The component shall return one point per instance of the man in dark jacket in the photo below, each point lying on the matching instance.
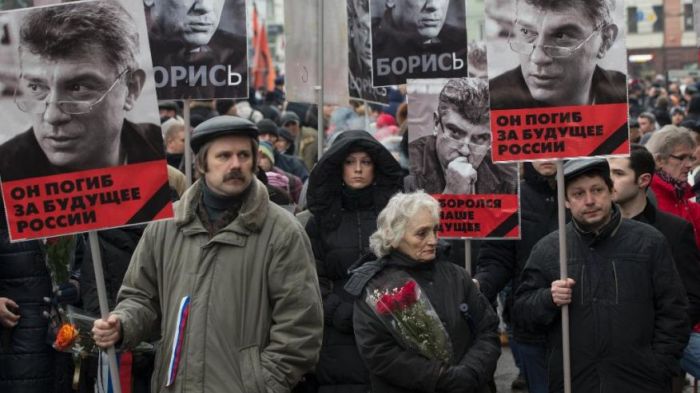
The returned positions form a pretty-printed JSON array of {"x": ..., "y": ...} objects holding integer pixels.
[
  {"x": 626, "y": 303},
  {"x": 632, "y": 177},
  {"x": 501, "y": 261}
]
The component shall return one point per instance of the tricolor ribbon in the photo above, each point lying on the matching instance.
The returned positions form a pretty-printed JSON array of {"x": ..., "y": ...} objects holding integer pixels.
[{"x": 178, "y": 339}]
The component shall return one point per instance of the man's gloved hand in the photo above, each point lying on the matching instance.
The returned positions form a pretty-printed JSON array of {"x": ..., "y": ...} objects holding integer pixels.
[
  {"x": 460, "y": 177},
  {"x": 457, "y": 379}
]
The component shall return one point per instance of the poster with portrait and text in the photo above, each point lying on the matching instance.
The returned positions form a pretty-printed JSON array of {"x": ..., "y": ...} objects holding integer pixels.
[
  {"x": 418, "y": 40},
  {"x": 450, "y": 158},
  {"x": 360, "y": 55},
  {"x": 558, "y": 80},
  {"x": 81, "y": 147},
  {"x": 199, "y": 49}
]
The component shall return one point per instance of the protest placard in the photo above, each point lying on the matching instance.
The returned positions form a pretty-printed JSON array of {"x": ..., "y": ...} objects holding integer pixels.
[
  {"x": 82, "y": 149},
  {"x": 558, "y": 81},
  {"x": 417, "y": 39},
  {"x": 199, "y": 49},
  {"x": 360, "y": 55},
  {"x": 450, "y": 158}
]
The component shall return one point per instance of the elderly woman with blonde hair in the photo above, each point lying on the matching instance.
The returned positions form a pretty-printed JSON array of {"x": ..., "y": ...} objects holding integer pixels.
[{"x": 420, "y": 323}]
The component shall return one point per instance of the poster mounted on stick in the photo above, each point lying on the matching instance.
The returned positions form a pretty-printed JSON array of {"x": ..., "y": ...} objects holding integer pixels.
[
  {"x": 417, "y": 39},
  {"x": 302, "y": 51},
  {"x": 199, "y": 49},
  {"x": 360, "y": 55},
  {"x": 450, "y": 158},
  {"x": 82, "y": 149},
  {"x": 558, "y": 81}
]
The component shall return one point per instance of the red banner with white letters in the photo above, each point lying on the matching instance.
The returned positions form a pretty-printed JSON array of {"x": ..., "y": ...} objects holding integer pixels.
[
  {"x": 559, "y": 132},
  {"x": 479, "y": 216},
  {"x": 87, "y": 200}
]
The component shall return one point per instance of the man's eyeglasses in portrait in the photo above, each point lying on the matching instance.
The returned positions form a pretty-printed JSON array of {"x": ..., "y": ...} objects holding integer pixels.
[
  {"x": 31, "y": 96},
  {"x": 523, "y": 40}
]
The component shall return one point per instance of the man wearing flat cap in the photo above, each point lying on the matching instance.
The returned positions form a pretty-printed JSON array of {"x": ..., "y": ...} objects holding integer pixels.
[
  {"x": 305, "y": 143},
  {"x": 229, "y": 285},
  {"x": 627, "y": 306}
]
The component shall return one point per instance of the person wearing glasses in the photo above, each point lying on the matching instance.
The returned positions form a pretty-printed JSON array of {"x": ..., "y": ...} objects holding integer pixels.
[
  {"x": 78, "y": 80},
  {"x": 456, "y": 159},
  {"x": 673, "y": 148},
  {"x": 559, "y": 45},
  {"x": 185, "y": 36}
]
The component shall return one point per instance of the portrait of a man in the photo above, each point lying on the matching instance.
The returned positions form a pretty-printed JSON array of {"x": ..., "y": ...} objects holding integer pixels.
[
  {"x": 360, "y": 54},
  {"x": 456, "y": 158},
  {"x": 559, "y": 45},
  {"x": 78, "y": 78},
  {"x": 406, "y": 30},
  {"x": 193, "y": 55}
]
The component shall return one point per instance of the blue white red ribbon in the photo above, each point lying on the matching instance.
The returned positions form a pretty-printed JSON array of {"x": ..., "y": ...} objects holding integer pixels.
[{"x": 178, "y": 339}]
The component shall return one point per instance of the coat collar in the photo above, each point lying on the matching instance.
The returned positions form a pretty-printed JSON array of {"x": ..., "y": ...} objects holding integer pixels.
[{"x": 250, "y": 218}]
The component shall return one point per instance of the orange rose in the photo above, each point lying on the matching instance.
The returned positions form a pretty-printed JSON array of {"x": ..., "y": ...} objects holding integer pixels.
[{"x": 65, "y": 337}]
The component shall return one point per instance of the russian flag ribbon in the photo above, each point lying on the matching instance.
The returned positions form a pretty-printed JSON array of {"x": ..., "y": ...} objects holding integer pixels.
[{"x": 178, "y": 340}]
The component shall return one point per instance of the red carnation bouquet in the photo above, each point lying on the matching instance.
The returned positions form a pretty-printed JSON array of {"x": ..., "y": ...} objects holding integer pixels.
[{"x": 409, "y": 314}]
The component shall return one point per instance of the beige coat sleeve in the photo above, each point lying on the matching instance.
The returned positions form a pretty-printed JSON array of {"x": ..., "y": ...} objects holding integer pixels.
[
  {"x": 297, "y": 314},
  {"x": 137, "y": 301}
]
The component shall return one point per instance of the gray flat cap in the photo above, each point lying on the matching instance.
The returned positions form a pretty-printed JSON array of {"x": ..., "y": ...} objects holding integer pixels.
[
  {"x": 221, "y": 126},
  {"x": 575, "y": 168}
]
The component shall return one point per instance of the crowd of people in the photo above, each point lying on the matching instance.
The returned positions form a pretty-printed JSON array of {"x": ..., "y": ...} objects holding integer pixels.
[
  {"x": 308, "y": 292},
  {"x": 287, "y": 268}
]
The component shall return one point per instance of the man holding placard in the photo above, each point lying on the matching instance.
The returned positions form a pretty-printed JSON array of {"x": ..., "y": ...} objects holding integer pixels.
[
  {"x": 626, "y": 301},
  {"x": 229, "y": 285}
]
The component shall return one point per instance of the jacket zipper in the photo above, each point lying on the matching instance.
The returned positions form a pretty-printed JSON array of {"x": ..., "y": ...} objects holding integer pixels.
[
  {"x": 359, "y": 233},
  {"x": 617, "y": 290},
  {"x": 583, "y": 271}
]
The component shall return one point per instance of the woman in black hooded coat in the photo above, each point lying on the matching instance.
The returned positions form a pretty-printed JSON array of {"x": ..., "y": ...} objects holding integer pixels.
[{"x": 348, "y": 188}]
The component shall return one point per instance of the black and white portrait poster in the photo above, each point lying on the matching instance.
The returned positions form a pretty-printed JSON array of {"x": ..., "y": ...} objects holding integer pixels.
[
  {"x": 199, "y": 48},
  {"x": 301, "y": 33},
  {"x": 360, "y": 55},
  {"x": 558, "y": 79},
  {"x": 450, "y": 158},
  {"x": 80, "y": 121},
  {"x": 417, "y": 39}
]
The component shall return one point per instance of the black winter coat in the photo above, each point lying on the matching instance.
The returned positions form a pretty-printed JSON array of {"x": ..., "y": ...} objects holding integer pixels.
[
  {"x": 475, "y": 343},
  {"x": 342, "y": 221},
  {"x": 27, "y": 361},
  {"x": 628, "y": 311},
  {"x": 502, "y": 261},
  {"x": 680, "y": 236}
]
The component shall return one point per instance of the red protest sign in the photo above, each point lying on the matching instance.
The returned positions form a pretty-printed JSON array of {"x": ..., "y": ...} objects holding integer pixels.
[
  {"x": 479, "y": 216},
  {"x": 559, "y": 132},
  {"x": 87, "y": 200}
]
